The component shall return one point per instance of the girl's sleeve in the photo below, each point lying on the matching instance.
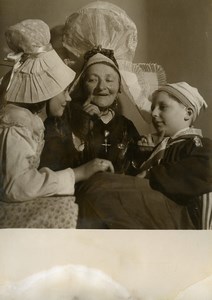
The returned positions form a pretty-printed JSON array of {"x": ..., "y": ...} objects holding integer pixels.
[
  {"x": 190, "y": 176},
  {"x": 21, "y": 178}
]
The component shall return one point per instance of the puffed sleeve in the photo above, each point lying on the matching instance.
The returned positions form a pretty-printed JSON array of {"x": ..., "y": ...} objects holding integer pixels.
[{"x": 21, "y": 178}]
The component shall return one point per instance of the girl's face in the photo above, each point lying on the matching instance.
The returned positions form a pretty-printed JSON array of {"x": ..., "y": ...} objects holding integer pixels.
[
  {"x": 168, "y": 115},
  {"x": 57, "y": 104},
  {"x": 101, "y": 83}
]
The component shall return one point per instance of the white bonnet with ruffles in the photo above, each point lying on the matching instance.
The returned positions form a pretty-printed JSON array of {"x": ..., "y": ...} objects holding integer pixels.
[
  {"x": 100, "y": 23},
  {"x": 38, "y": 73}
]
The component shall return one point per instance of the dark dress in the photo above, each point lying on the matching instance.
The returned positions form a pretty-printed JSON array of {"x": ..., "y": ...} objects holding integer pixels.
[
  {"x": 169, "y": 199},
  {"x": 115, "y": 141}
]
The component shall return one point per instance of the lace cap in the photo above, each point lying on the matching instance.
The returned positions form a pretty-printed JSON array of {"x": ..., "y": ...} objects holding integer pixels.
[
  {"x": 38, "y": 73},
  {"x": 105, "y": 24},
  {"x": 101, "y": 23}
]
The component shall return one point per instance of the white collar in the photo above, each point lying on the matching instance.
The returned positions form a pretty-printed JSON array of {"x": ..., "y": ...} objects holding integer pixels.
[{"x": 186, "y": 131}]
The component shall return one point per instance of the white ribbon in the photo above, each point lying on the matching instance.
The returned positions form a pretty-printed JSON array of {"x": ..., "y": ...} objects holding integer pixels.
[{"x": 16, "y": 58}]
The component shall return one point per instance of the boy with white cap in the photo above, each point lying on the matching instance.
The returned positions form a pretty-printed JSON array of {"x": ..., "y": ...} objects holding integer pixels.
[
  {"x": 176, "y": 174},
  {"x": 175, "y": 107}
]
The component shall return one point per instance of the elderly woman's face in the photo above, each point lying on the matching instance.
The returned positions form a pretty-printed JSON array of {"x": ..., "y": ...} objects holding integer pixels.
[{"x": 101, "y": 83}]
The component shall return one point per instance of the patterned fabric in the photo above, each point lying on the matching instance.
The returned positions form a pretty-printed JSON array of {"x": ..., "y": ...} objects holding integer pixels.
[{"x": 51, "y": 212}]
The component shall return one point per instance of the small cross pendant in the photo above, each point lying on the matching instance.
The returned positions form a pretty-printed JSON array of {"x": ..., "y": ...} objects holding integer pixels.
[{"x": 106, "y": 145}]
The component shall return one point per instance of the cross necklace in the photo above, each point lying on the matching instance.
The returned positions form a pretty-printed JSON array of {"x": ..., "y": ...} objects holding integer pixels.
[{"x": 106, "y": 145}]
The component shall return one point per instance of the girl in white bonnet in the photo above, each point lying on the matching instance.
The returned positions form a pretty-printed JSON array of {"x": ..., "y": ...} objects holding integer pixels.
[
  {"x": 166, "y": 192},
  {"x": 38, "y": 87}
]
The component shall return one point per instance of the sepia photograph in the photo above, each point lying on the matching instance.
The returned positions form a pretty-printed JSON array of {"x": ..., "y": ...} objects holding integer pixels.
[
  {"x": 105, "y": 114},
  {"x": 105, "y": 123}
]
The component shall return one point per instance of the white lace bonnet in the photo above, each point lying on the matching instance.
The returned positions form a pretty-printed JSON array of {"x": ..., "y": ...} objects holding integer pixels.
[
  {"x": 103, "y": 23},
  {"x": 38, "y": 73}
]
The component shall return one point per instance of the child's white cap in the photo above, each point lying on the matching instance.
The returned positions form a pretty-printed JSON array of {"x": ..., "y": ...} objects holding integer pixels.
[
  {"x": 187, "y": 95},
  {"x": 38, "y": 73}
]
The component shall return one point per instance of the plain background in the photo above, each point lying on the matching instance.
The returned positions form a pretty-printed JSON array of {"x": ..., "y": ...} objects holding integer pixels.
[{"x": 176, "y": 34}]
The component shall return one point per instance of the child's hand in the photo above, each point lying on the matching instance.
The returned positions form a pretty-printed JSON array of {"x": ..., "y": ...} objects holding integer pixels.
[
  {"x": 146, "y": 143},
  {"x": 90, "y": 108},
  {"x": 149, "y": 141},
  {"x": 146, "y": 140},
  {"x": 96, "y": 165}
]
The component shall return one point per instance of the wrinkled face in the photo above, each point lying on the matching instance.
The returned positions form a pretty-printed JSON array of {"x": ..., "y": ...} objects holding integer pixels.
[
  {"x": 101, "y": 82},
  {"x": 57, "y": 104},
  {"x": 168, "y": 115}
]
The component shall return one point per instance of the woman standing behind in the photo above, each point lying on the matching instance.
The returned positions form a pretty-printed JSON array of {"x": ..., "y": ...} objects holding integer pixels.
[{"x": 37, "y": 88}]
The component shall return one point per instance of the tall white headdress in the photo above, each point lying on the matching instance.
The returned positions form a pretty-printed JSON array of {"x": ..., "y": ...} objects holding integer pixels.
[{"x": 105, "y": 24}]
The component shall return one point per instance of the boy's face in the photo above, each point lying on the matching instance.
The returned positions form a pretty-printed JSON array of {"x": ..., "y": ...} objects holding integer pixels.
[{"x": 168, "y": 115}]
